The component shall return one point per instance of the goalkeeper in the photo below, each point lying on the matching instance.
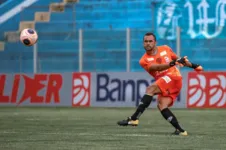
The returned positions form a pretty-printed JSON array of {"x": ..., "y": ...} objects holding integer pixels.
[{"x": 160, "y": 62}]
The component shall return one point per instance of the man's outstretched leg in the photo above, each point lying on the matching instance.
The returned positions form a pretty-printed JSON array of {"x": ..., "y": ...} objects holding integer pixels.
[
  {"x": 145, "y": 102},
  {"x": 163, "y": 104}
]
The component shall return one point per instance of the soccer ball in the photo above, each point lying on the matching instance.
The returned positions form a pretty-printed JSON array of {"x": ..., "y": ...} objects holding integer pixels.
[{"x": 28, "y": 37}]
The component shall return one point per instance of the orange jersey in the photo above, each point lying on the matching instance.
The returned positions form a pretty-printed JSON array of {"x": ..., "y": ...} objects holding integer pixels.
[{"x": 163, "y": 56}]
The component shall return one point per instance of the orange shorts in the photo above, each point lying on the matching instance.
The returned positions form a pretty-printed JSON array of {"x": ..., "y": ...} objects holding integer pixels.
[{"x": 170, "y": 86}]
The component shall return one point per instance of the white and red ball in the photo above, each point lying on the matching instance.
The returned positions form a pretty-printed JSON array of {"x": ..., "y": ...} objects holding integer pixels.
[{"x": 28, "y": 37}]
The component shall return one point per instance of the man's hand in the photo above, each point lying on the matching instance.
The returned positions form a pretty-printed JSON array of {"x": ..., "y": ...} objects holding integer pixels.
[
  {"x": 199, "y": 68},
  {"x": 185, "y": 62},
  {"x": 180, "y": 61}
]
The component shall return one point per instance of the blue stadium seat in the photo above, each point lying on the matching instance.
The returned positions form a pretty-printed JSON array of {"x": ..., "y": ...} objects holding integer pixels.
[
  {"x": 115, "y": 14},
  {"x": 106, "y": 6},
  {"x": 56, "y": 26},
  {"x": 66, "y": 16},
  {"x": 58, "y": 46},
  {"x": 55, "y": 36}
]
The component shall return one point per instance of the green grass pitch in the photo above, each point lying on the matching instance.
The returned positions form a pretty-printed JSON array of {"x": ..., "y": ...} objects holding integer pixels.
[{"x": 96, "y": 129}]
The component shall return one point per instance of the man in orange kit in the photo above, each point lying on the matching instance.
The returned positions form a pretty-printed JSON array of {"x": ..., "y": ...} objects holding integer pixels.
[{"x": 160, "y": 62}]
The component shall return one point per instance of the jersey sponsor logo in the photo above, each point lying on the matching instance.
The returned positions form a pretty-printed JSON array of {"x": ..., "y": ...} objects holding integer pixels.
[
  {"x": 81, "y": 89},
  {"x": 167, "y": 59},
  {"x": 166, "y": 78},
  {"x": 163, "y": 53},
  {"x": 206, "y": 90},
  {"x": 150, "y": 59}
]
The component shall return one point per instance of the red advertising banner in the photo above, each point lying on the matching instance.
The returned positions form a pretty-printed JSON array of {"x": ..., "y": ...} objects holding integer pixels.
[
  {"x": 81, "y": 88},
  {"x": 23, "y": 88},
  {"x": 206, "y": 90}
]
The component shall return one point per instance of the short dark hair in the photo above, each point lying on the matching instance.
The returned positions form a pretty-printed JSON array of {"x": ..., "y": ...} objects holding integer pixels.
[{"x": 150, "y": 33}]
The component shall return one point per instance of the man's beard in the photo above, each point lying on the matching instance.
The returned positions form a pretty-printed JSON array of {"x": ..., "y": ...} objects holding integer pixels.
[{"x": 149, "y": 48}]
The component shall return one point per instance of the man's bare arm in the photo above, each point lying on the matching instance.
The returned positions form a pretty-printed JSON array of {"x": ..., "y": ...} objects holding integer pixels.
[{"x": 161, "y": 67}]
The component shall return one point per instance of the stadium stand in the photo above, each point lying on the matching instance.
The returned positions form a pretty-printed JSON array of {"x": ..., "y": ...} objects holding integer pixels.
[{"x": 104, "y": 24}]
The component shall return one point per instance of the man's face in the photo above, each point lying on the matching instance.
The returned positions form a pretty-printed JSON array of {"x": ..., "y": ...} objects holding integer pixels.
[{"x": 149, "y": 43}]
